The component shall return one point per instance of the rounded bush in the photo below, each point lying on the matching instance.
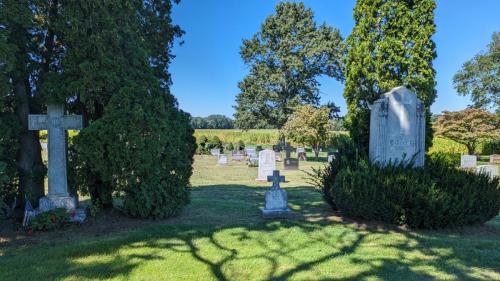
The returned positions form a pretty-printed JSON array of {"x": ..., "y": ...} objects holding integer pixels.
[{"x": 435, "y": 196}]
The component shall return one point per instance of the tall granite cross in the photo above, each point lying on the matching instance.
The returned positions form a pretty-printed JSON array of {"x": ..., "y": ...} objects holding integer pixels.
[
  {"x": 56, "y": 123},
  {"x": 276, "y": 179}
]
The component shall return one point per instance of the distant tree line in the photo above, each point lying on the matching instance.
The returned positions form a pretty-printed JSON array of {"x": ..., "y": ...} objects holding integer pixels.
[{"x": 214, "y": 121}]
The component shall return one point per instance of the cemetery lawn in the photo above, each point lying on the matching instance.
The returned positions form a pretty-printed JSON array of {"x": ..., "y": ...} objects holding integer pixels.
[{"x": 221, "y": 236}]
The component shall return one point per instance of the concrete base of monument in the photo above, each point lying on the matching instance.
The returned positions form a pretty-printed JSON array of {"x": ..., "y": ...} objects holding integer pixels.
[
  {"x": 277, "y": 213},
  {"x": 77, "y": 213}
]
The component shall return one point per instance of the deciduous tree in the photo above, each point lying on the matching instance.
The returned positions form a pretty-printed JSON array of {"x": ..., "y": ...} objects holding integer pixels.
[
  {"x": 308, "y": 126},
  {"x": 480, "y": 77},
  {"x": 469, "y": 127},
  {"x": 285, "y": 58}
]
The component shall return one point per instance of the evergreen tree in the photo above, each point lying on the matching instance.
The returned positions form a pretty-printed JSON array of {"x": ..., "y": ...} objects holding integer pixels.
[
  {"x": 285, "y": 57},
  {"x": 390, "y": 45},
  {"x": 138, "y": 145}
]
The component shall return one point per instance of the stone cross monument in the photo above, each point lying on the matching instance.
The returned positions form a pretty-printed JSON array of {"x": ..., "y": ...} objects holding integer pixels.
[
  {"x": 397, "y": 128},
  {"x": 276, "y": 205},
  {"x": 56, "y": 123}
]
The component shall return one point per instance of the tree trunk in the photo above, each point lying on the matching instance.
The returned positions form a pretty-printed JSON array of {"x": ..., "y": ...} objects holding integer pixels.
[
  {"x": 471, "y": 148},
  {"x": 31, "y": 169}
]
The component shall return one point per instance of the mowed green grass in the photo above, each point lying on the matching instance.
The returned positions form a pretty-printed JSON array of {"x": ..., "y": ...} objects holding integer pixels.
[{"x": 221, "y": 236}]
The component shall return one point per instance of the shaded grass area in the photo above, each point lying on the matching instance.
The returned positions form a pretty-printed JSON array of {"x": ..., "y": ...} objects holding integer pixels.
[{"x": 221, "y": 236}]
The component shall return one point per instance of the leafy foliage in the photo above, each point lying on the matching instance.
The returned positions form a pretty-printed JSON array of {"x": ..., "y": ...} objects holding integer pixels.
[
  {"x": 480, "y": 77},
  {"x": 284, "y": 58},
  {"x": 212, "y": 122},
  {"x": 435, "y": 196},
  {"x": 469, "y": 127},
  {"x": 391, "y": 45},
  {"x": 308, "y": 126},
  {"x": 50, "y": 220}
]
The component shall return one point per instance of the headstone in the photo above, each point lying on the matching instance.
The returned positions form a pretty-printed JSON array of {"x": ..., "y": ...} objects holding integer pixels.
[
  {"x": 288, "y": 150},
  {"x": 250, "y": 152},
  {"x": 222, "y": 159},
  {"x": 397, "y": 128},
  {"x": 276, "y": 205},
  {"x": 291, "y": 164},
  {"x": 331, "y": 158},
  {"x": 267, "y": 164},
  {"x": 468, "y": 161},
  {"x": 215, "y": 151},
  {"x": 491, "y": 170},
  {"x": 495, "y": 159},
  {"x": 56, "y": 123},
  {"x": 237, "y": 156},
  {"x": 301, "y": 153}
]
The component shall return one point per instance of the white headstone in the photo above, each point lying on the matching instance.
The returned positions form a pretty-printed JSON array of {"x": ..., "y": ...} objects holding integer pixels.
[
  {"x": 56, "y": 123},
  {"x": 267, "y": 164},
  {"x": 397, "y": 128},
  {"x": 215, "y": 151},
  {"x": 331, "y": 158},
  {"x": 300, "y": 150},
  {"x": 222, "y": 159},
  {"x": 491, "y": 170},
  {"x": 468, "y": 161},
  {"x": 251, "y": 152}
]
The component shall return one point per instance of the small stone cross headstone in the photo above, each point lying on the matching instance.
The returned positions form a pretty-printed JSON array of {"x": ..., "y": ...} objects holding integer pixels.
[
  {"x": 468, "y": 161},
  {"x": 290, "y": 163},
  {"x": 56, "y": 123},
  {"x": 276, "y": 205},
  {"x": 267, "y": 164},
  {"x": 222, "y": 159},
  {"x": 288, "y": 150}
]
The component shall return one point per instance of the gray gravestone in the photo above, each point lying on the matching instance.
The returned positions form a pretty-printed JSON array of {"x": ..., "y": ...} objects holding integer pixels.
[
  {"x": 495, "y": 159},
  {"x": 276, "y": 205},
  {"x": 301, "y": 153},
  {"x": 251, "y": 152},
  {"x": 238, "y": 156},
  {"x": 215, "y": 151},
  {"x": 267, "y": 164},
  {"x": 290, "y": 163},
  {"x": 491, "y": 170},
  {"x": 222, "y": 159},
  {"x": 468, "y": 161},
  {"x": 397, "y": 128},
  {"x": 331, "y": 158},
  {"x": 56, "y": 123}
]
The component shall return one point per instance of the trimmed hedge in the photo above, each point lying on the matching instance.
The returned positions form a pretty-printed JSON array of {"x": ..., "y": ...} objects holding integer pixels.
[{"x": 435, "y": 196}]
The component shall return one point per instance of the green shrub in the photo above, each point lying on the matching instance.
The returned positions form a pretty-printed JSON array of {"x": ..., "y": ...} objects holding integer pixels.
[
  {"x": 147, "y": 165},
  {"x": 202, "y": 145},
  {"x": 491, "y": 147},
  {"x": 50, "y": 220},
  {"x": 9, "y": 147},
  {"x": 229, "y": 146},
  {"x": 435, "y": 196},
  {"x": 452, "y": 159},
  {"x": 240, "y": 145}
]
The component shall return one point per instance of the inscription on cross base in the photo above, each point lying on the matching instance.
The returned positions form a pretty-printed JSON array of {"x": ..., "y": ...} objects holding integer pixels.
[
  {"x": 56, "y": 124},
  {"x": 276, "y": 179}
]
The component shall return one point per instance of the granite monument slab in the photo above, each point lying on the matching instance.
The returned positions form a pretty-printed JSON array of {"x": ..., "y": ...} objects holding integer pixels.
[
  {"x": 491, "y": 170},
  {"x": 468, "y": 161},
  {"x": 276, "y": 204},
  {"x": 397, "y": 128}
]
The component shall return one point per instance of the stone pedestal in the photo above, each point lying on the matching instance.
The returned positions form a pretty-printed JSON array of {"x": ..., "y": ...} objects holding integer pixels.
[
  {"x": 77, "y": 213},
  {"x": 50, "y": 202},
  {"x": 276, "y": 204}
]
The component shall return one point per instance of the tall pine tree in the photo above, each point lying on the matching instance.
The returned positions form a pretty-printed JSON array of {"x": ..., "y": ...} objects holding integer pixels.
[{"x": 390, "y": 45}]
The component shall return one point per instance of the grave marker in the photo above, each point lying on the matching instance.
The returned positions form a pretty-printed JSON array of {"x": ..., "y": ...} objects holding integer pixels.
[
  {"x": 397, "y": 128},
  {"x": 267, "y": 164},
  {"x": 56, "y": 124},
  {"x": 276, "y": 204},
  {"x": 468, "y": 161}
]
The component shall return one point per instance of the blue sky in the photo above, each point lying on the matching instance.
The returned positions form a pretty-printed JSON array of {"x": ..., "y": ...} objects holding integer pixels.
[{"x": 208, "y": 67}]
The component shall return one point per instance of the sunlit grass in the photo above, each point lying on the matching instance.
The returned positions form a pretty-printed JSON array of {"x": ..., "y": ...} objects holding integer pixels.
[{"x": 221, "y": 236}]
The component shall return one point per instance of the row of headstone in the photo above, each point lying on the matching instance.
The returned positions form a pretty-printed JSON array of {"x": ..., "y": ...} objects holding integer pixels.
[{"x": 470, "y": 162}]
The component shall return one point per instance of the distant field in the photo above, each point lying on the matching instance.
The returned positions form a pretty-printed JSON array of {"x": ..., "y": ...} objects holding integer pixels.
[{"x": 258, "y": 136}]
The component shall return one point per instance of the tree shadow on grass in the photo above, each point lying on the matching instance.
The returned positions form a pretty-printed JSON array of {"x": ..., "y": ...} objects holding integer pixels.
[{"x": 221, "y": 236}]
